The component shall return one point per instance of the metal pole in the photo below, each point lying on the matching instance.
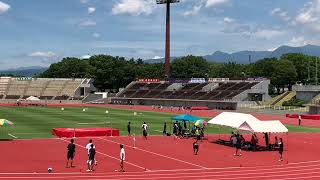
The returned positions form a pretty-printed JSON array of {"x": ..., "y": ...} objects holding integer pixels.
[
  {"x": 316, "y": 70},
  {"x": 167, "y": 50},
  {"x": 308, "y": 71},
  {"x": 134, "y": 140},
  {"x": 111, "y": 128}
]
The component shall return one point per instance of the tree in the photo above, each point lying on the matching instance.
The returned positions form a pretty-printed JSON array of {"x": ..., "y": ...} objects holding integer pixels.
[
  {"x": 264, "y": 67},
  {"x": 190, "y": 66},
  {"x": 108, "y": 71},
  {"x": 284, "y": 75},
  {"x": 69, "y": 67},
  {"x": 301, "y": 63}
]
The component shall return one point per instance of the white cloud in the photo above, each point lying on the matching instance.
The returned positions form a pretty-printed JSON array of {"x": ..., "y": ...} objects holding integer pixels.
[
  {"x": 275, "y": 11},
  {"x": 96, "y": 35},
  {"x": 87, "y": 22},
  {"x": 134, "y": 7},
  {"x": 267, "y": 33},
  {"x": 193, "y": 12},
  {"x": 309, "y": 16},
  {"x": 249, "y": 30},
  {"x": 236, "y": 27},
  {"x": 4, "y": 7},
  {"x": 84, "y": 1},
  {"x": 85, "y": 56},
  {"x": 298, "y": 41},
  {"x": 228, "y": 20},
  {"x": 47, "y": 54},
  {"x": 91, "y": 10},
  {"x": 272, "y": 49},
  {"x": 280, "y": 13},
  {"x": 211, "y": 3},
  {"x": 157, "y": 57}
]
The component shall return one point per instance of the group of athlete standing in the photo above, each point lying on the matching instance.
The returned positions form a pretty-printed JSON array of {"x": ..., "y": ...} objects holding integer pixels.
[
  {"x": 91, "y": 162},
  {"x": 144, "y": 129}
]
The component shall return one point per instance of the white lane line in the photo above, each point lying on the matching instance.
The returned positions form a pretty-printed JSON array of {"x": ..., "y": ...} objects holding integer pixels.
[
  {"x": 242, "y": 175},
  {"x": 110, "y": 156},
  {"x": 161, "y": 155},
  {"x": 13, "y": 136},
  {"x": 181, "y": 171},
  {"x": 221, "y": 169},
  {"x": 304, "y": 162},
  {"x": 304, "y": 177}
]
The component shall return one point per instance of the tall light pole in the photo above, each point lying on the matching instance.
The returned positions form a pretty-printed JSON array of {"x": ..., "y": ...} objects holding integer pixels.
[
  {"x": 167, "y": 51},
  {"x": 316, "y": 70}
]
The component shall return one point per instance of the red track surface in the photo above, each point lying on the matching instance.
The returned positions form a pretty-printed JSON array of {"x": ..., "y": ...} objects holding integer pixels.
[
  {"x": 164, "y": 157},
  {"x": 160, "y": 158}
]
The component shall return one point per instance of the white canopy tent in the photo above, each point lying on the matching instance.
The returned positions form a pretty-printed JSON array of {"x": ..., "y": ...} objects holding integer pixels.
[
  {"x": 247, "y": 122},
  {"x": 232, "y": 119},
  {"x": 264, "y": 127},
  {"x": 32, "y": 98}
]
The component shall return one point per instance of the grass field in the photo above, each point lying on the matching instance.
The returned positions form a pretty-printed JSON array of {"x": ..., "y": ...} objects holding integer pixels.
[{"x": 37, "y": 122}]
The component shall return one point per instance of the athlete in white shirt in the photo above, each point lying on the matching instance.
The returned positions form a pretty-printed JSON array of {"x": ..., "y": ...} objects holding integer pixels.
[
  {"x": 88, "y": 147},
  {"x": 122, "y": 157}
]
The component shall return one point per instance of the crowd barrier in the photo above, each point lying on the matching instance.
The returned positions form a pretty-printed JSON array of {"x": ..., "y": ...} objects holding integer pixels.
[{"x": 304, "y": 116}]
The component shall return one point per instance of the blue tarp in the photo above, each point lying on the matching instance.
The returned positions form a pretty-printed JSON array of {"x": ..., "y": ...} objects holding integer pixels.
[{"x": 186, "y": 117}]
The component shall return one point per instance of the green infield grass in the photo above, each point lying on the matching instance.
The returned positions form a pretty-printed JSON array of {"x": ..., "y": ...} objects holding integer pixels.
[{"x": 38, "y": 122}]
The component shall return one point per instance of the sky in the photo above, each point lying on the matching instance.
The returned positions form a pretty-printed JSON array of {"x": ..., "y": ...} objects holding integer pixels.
[{"x": 41, "y": 32}]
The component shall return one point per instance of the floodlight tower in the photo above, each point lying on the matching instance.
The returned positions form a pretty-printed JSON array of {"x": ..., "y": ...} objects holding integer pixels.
[{"x": 167, "y": 51}]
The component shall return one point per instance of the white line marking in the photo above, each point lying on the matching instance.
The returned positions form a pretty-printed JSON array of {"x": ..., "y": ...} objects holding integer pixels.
[
  {"x": 177, "y": 171},
  {"x": 305, "y": 177},
  {"x": 110, "y": 156},
  {"x": 13, "y": 136},
  {"x": 304, "y": 162},
  {"x": 93, "y": 123},
  {"x": 242, "y": 175},
  {"x": 155, "y": 153}
]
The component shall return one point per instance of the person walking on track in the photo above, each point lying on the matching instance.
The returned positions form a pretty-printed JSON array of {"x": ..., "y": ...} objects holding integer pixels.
[
  {"x": 122, "y": 158},
  {"x": 71, "y": 153}
]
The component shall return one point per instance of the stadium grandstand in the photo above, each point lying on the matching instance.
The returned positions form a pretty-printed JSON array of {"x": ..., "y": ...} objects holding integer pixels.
[
  {"x": 48, "y": 89},
  {"x": 213, "y": 92}
]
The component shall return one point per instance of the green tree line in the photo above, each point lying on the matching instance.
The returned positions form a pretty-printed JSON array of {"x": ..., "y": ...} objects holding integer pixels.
[{"x": 111, "y": 72}]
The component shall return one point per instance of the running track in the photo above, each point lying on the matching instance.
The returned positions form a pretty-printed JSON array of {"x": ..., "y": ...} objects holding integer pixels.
[{"x": 160, "y": 158}]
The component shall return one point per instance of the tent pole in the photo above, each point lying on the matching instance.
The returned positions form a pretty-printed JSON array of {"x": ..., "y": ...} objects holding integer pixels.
[
  {"x": 207, "y": 133},
  {"x": 219, "y": 132},
  {"x": 171, "y": 126}
]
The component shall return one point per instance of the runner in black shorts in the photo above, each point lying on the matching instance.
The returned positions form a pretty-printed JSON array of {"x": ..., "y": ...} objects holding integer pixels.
[
  {"x": 145, "y": 130},
  {"x": 238, "y": 145},
  {"x": 195, "y": 147},
  {"x": 92, "y": 153},
  {"x": 281, "y": 149},
  {"x": 129, "y": 128},
  {"x": 71, "y": 152}
]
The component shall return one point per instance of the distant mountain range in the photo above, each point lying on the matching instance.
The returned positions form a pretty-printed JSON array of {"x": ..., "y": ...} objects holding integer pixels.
[
  {"x": 24, "y": 71},
  {"x": 244, "y": 57},
  {"x": 218, "y": 56}
]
